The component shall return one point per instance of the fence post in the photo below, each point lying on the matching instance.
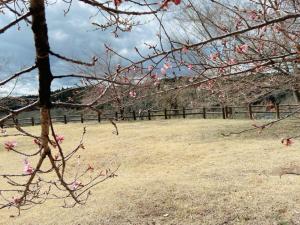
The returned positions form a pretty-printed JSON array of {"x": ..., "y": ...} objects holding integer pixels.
[
  {"x": 204, "y": 113},
  {"x": 223, "y": 113},
  {"x": 141, "y": 116},
  {"x": 277, "y": 111},
  {"x": 183, "y": 112},
  {"x": 65, "y": 119},
  {"x": 81, "y": 118},
  {"x": 32, "y": 121},
  {"x": 149, "y": 115},
  {"x": 99, "y": 117},
  {"x": 134, "y": 115},
  {"x": 116, "y": 116},
  {"x": 250, "y": 112},
  {"x": 226, "y": 112},
  {"x": 166, "y": 116}
]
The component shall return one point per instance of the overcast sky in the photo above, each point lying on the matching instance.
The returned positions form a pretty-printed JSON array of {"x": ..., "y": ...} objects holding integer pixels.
[{"x": 71, "y": 35}]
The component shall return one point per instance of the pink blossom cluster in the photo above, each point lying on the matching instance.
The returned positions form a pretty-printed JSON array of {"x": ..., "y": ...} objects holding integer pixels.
[{"x": 28, "y": 169}]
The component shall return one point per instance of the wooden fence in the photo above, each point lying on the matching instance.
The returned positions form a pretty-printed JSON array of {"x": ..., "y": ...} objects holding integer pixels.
[{"x": 226, "y": 112}]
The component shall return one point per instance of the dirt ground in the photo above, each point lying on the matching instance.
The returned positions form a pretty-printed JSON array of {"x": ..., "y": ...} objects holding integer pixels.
[{"x": 176, "y": 172}]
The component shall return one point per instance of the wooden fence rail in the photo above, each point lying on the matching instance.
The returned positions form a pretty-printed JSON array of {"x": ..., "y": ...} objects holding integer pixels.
[{"x": 226, "y": 112}]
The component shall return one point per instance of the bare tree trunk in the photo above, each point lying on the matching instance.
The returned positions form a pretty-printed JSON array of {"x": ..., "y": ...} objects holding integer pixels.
[
  {"x": 296, "y": 91},
  {"x": 296, "y": 94},
  {"x": 40, "y": 31}
]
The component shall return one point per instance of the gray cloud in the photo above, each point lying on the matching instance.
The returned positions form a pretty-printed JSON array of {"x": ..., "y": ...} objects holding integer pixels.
[{"x": 72, "y": 35}]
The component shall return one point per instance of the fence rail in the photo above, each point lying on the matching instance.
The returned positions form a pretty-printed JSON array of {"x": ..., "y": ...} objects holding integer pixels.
[{"x": 225, "y": 112}]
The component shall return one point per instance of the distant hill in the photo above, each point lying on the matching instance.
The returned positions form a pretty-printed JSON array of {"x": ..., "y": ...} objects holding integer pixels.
[{"x": 61, "y": 95}]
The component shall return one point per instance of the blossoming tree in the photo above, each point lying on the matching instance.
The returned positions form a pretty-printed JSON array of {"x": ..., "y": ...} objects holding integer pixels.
[{"x": 237, "y": 47}]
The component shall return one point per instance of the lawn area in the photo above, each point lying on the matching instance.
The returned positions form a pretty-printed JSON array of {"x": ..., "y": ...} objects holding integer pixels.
[{"x": 176, "y": 172}]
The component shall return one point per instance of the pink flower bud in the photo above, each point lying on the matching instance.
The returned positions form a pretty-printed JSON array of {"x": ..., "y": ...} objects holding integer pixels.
[
  {"x": 76, "y": 184},
  {"x": 59, "y": 138},
  {"x": 241, "y": 48},
  {"x": 132, "y": 94},
  {"x": 10, "y": 145},
  {"x": 163, "y": 71},
  {"x": 27, "y": 167}
]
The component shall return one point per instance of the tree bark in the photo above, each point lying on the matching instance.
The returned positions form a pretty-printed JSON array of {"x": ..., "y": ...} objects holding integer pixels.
[
  {"x": 40, "y": 31},
  {"x": 296, "y": 91}
]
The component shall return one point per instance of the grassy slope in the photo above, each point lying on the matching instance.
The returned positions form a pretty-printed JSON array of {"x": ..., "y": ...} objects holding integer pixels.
[{"x": 178, "y": 172}]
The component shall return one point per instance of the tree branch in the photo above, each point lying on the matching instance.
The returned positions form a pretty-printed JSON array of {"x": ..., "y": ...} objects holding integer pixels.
[
  {"x": 27, "y": 70},
  {"x": 2, "y": 30}
]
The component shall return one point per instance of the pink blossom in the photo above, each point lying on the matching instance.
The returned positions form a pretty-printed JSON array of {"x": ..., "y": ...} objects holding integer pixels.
[
  {"x": 287, "y": 141},
  {"x": 221, "y": 95},
  {"x": 10, "y": 145},
  {"x": 150, "y": 68},
  {"x": 262, "y": 31},
  {"x": 224, "y": 28},
  {"x": 76, "y": 184},
  {"x": 259, "y": 69},
  {"x": 59, "y": 138},
  {"x": 188, "y": 6},
  {"x": 214, "y": 56},
  {"x": 165, "y": 3},
  {"x": 292, "y": 37},
  {"x": 16, "y": 201},
  {"x": 132, "y": 68},
  {"x": 221, "y": 70},
  {"x": 27, "y": 167},
  {"x": 37, "y": 142},
  {"x": 232, "y": 61},
  {"x": 253, "y": 15},
  {"x": 185, "y": 50},
  {"x": 277, "y": 28},
  {"x": 238, "y": 23},
  {"x": 190, "y": 66},
  {"x": 154, "y": 76},
  {"x": 241, "y": 48},
  {"x": 163, "y": 71},
  {"x": 132, "y": 94},
  {"x": 90, "y": 168},
  {"x": 167, "y": 66},
  {"x": 117, "y": 2}
]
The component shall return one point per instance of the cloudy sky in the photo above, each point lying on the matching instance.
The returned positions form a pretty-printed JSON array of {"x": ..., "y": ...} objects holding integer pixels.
[{"x": 71, "y": 35}]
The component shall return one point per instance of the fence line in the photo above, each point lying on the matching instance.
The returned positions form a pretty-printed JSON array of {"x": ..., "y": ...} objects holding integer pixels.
[{"x": 226, "y": 112}]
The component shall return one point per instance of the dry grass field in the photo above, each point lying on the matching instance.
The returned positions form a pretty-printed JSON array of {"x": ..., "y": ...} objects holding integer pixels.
[{"x": 177, "y": 172}]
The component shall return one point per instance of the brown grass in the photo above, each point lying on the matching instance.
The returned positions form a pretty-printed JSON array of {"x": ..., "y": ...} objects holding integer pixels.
[{"x": 178, "y": 172}]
